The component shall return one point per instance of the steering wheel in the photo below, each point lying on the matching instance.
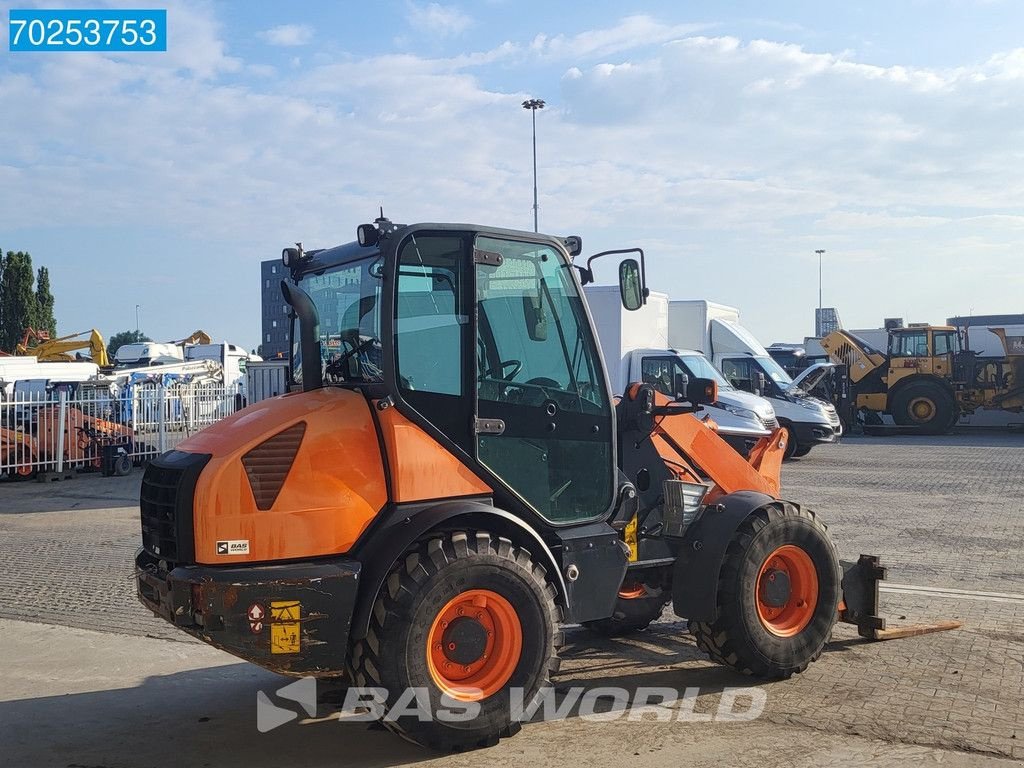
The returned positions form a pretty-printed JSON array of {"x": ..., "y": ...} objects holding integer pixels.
[
  {"x": 516, "y": 366},
  {"x": 335, "y": 366}
]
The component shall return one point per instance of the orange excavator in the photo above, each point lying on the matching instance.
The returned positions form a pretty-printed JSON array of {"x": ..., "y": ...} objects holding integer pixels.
[{"x": 450, "y": 481}]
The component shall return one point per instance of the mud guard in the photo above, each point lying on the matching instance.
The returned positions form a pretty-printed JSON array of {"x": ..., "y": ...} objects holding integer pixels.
[
  {"x": 383, "y": 544},
  {"x": 696, "y": 570}
]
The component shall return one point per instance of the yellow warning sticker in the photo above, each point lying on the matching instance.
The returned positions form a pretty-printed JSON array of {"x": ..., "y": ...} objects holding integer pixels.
[
  {"x": 631, "y": 539},
  {"x": 284, "y": 626}
]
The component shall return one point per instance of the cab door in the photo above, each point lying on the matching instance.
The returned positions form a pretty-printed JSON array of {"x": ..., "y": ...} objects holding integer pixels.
[
  {"x": 909, "y": 354},
  {"x": 544, "y": 422}
]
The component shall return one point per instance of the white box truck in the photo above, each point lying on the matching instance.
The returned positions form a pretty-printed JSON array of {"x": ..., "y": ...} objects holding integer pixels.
[
  {"x": 635, "y": 347},
  {"x": 715, "y": 330}
]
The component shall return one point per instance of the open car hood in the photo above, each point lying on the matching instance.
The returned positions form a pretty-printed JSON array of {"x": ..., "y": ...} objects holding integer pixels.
[{"x": 811, "y": 377}]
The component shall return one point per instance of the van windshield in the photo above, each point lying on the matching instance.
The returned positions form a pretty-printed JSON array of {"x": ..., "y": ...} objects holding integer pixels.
[
  {"x": 701, "y": 367},
  {"x": 775, "y": 371}
]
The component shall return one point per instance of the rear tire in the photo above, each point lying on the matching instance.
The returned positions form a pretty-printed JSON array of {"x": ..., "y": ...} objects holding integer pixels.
[
  {"x": 773, "y": 634},
  {"x": 496, "y": 603},
  {"x": 635, "y": 609},
  {"x": 925, "y": 405}
]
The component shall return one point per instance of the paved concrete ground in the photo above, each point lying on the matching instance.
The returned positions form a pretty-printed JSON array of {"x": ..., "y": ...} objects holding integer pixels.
[
  {"x": 129, "y": 701},
  {"x": 943, "y": 513}
]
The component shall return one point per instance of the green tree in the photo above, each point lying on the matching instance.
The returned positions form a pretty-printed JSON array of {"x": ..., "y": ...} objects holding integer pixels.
[
  {"x": 17, "y": 298},
  {"x": 125, "y": 337},
  {"x": 44, "y": 303}
]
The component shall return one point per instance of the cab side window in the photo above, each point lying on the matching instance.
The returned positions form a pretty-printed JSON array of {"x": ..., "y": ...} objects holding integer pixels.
[
  {"x": 945, "y": 342},
  {"x": 739, "y": 373},
  {"x": 910, "y": 345}
]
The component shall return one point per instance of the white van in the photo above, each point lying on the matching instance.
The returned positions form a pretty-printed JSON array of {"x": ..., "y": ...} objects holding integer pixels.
[
  {"x": 635, "y": 348},
  {"x": 714, "y": 329}
]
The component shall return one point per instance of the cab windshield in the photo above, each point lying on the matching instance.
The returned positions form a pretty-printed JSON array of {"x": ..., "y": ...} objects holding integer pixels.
[{"x": 348, "y": 299}]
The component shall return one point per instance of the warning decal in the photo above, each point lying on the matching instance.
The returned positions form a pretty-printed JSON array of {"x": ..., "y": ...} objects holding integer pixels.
[{"x": 284, "y": 626}]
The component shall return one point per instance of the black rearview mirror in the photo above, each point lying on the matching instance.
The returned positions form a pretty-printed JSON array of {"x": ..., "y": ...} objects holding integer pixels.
[
  {"x": 629, "y": 285},
  {"x": 536, "y": 319},
  {"x": 681, "y": 385}
]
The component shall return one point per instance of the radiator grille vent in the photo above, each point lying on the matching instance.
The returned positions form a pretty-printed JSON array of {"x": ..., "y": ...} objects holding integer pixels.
[{"x": 267, "y": 465}]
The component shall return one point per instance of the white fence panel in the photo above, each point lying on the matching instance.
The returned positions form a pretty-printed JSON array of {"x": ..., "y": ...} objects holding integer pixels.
[{"x": 51, "y": 431}]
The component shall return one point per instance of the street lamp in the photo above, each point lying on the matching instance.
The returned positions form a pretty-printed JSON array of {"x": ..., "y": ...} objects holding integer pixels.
[
  {"x": 533, "y": 105},
  {"x": 137, "y": 317},
  {"x": 818, "y": 319}
]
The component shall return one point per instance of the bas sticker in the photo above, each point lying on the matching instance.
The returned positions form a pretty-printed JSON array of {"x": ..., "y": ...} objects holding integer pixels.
[{"x": 236, "y": 547}]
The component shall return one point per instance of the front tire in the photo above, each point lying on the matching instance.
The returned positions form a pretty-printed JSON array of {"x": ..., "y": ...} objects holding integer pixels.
[
  {"x": 635, "y": 608},
  {"x": 926, "y": 406},
  {"x": 778, "y": 594},
  {"x": 467, "y": 617},
  {"x": 791, "y": 444}
]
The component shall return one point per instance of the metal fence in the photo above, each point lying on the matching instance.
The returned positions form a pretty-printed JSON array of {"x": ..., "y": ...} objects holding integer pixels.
[{"x": 69, "y": 429}]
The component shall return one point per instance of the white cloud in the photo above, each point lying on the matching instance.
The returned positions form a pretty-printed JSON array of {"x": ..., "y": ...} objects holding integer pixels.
[
  {"x": 444, "y": 20},
  {"x": 732, "y": 161},
  {"x": 288, "y": 34}
]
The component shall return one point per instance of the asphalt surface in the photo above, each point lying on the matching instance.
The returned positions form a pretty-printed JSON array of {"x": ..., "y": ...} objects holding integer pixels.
[{"x": 944, "y": 513}]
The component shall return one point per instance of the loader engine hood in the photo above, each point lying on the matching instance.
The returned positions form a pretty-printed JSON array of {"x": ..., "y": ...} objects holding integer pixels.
[{"x": 295, "y": 476}]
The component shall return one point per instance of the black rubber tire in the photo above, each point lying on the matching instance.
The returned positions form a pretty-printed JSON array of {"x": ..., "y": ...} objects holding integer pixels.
[
  {"x": 123, "y": 465},
  {"x": 631, "y": 615},
  {"x": 802, "y": 451},
  {"x": 737, "y": 637},
  {"x": 792, "y": 446},
  {"x": 393, "y": 654},
  {"x": 945, "y": 407}
]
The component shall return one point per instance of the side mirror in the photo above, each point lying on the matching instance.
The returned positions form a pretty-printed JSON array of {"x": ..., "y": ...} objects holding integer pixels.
[
  {"x": 630, "y": 288},
  {"x": 762, "y": 383},
  {"x": 682, "y": 384},
  {"x": 702, "y": 391}
]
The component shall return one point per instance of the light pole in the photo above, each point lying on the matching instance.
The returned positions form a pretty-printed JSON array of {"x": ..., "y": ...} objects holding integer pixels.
[
  {"x": 818, "y": 319},
  {"x": 137, "y": 317},
  {"x": 533, "y": 105}
]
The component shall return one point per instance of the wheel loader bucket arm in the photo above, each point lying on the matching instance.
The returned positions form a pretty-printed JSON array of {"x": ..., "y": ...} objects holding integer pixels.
[{"x": 684, "y": 438}]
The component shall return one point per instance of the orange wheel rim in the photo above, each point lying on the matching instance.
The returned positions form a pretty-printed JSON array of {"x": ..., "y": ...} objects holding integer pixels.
[
  {"x": 787, "y": 591},
  {"x": 632, "y": 591},
  {"x": 474, "y": 645}
]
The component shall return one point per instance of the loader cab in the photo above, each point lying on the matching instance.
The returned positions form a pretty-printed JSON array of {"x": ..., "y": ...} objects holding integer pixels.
[
  {"x": 481, "y": 338},
  {"x": 928, "y": 350}
]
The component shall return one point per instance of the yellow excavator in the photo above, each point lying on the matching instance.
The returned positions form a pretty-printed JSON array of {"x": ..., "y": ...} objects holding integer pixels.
[
  {"x": 60, "y": 349},
  {"x": 925, "y": 379}
]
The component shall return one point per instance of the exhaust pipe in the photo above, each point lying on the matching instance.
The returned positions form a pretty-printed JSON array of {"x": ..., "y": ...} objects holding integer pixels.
[{"x": 309, "y": 335}]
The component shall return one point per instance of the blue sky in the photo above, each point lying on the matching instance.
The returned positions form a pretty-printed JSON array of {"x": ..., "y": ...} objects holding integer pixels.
[{"x": 730, "y": 140}]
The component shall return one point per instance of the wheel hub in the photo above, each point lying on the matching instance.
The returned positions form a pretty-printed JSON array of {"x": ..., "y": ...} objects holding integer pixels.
[
  {"x": 786, "y": 593},
  {"x": 775, "y": 588},
  {"x": 464, "y": 641},
  {"x": 922, "y": 409}
]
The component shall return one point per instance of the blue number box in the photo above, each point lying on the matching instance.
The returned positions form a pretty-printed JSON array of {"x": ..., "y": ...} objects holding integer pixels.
[{"x": 87, "y": 30}]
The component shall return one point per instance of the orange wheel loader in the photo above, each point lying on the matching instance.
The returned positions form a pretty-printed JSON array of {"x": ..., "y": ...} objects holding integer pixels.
[{"x": 449, "y": 482}]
